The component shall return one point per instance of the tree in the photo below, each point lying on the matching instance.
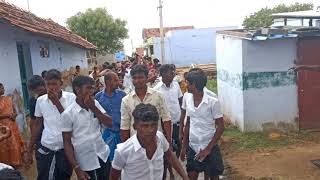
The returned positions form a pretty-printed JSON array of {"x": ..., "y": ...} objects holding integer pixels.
[
  {"x": 99, "y": 28},
  {"x": 263, "y": 17}
]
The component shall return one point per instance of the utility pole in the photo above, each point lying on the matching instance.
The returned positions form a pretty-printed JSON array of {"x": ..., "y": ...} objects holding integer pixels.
[
  {"x": 162, "y": 59},
  {"x": 131, "y": 46},
  {"x": 28, "y": 5}
]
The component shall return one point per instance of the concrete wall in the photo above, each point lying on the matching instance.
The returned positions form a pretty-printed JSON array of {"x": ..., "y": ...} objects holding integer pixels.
[
  {"x": 9, "y": 64},
  {"x": 62, "y": 55},
  {"x": 192, "y": 46},
  {"x": 229, "y": 79},
  {"x": 270, "y": 91}
]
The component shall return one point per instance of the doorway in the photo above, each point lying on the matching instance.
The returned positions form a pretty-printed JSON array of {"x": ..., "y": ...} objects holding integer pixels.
[{"x": 26, "y": 72}]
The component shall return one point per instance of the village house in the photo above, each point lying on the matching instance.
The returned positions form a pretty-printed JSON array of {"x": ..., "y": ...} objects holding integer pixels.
[
  {"x": 30, "y": 45},
  {"x": 257, "y": 90}
]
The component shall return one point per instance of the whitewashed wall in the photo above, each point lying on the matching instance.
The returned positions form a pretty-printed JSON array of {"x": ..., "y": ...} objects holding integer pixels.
[
  {"x": 9, "y": 64},
  {"x": 256, "y": 90},
  {"x": 62, "y": 56},
  {"x": 191, "y": 46},
  {"x": 229, "y": 89},
  {"x": 270, "y": 96}
]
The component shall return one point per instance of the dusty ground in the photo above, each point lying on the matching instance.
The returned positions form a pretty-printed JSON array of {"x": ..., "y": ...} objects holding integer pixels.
[
  {"x": 290, "y": 162},
  {"x": 285, "y": 163}
]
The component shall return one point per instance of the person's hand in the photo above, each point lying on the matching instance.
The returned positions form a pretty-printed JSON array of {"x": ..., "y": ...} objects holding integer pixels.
[
  {"x": 186, "y": 178},
  {"x": 25, "y": 160},
  {"x": 183, "y": 153},
  {"x": 202, "y": 154},
  {"x": 53, "y": 96},
  {"x": 181, "y": 136},
  {"x": 296, "y": 68},
  {"x": 13, "y": 116},
  {"x": 28, "y": 158},
  {"x": 89, "y": 102},
  {"x": 81, "y": 174}
]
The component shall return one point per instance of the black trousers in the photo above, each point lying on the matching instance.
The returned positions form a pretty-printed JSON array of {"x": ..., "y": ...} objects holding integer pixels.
[
  {"x": 52, "y": 165},
  {"x": 175, "y": 138},
  {"x": 102, "y": 173}
]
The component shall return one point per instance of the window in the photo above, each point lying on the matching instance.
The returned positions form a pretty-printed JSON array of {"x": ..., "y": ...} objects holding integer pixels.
[{"x": 44, "y": 49}]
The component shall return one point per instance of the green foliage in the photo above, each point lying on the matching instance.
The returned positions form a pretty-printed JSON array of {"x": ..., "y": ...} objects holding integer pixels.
[
  {"x": 256, "y": 140},
  {"x": 99, "y": 28},
  {"x": 212, "y": 85},
  {"x": 263, "y": 17}
]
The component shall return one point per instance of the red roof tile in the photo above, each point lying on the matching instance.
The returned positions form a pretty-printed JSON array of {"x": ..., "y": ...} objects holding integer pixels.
[
  {"x": 155, "y": 32},
  {"x": 30, "y": 22}
]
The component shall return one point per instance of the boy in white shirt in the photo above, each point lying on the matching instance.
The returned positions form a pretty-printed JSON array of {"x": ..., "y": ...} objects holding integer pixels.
[
  {"x": 51, "y": 159},
  {"x": 203, "y": 129},
  {"x": 81, "y": 131},
  {"x": 142, "y": 156}
]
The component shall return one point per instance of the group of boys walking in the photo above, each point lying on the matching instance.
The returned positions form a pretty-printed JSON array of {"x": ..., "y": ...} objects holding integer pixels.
[{"x": 113, "y": 135}]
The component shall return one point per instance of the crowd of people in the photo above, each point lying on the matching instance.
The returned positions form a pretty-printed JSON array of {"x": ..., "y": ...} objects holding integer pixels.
[{"x": 128, "y": 120}]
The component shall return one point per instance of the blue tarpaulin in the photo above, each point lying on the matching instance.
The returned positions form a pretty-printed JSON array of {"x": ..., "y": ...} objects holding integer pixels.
[{"x": 120, "y": 56}]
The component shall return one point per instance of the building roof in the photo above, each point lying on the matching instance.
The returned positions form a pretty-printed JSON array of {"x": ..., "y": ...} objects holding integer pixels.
[
  {"x": 155, "y": 32},
  {"x": 299, "y": 14},
  {"x": 46, "y": 27},
  {"x": 272, "y": 33}
]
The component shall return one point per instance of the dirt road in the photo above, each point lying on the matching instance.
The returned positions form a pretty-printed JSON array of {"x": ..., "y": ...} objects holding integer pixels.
[{"x": 290, "y": 162}]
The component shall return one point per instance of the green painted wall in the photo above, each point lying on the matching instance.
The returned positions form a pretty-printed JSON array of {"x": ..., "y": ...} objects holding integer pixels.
[{"x": 257, "y": 80}]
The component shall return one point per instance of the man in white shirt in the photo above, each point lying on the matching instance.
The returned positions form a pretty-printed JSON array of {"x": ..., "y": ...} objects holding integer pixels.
[
  {"x": 142, "y": 94},
  {"x": 173, "y": 96},
  {"x": 203, "y": 129},
  {"x": 142, "y": 156},
  {"x": 52, "y": 163},
  {"x": 81, "y": 131},
  {"x": 183, "y": 119}
]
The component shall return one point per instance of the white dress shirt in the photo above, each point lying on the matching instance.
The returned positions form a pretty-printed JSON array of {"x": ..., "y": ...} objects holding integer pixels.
[
  {"x": 86, "y": 136},
  {"x": 171, "y": 95},
  {"x": 202, "y": 120},
  {"x": 131, "y": 159},
  {"x": 52, "y": 134}
]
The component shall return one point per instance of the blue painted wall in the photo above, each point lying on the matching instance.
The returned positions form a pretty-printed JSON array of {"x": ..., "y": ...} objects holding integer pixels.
[{"x": 192, "y": 46}]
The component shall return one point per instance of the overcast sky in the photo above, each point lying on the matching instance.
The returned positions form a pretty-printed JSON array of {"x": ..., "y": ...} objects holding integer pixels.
[{"x": 143, "y": 13}]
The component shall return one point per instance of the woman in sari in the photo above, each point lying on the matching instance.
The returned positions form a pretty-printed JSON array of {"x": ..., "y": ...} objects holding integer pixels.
[{"x": 12, "y": 149}]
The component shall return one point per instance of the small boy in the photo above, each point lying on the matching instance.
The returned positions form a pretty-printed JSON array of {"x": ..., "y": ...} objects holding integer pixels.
[
  {"x": 82, "y": 138},
  {"x": 142, "y": 156},
  {"x": 203, "y": 129}
]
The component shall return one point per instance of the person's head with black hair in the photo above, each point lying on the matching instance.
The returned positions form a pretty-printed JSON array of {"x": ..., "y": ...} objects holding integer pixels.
[
  {"x": 37, "y": 85},
  {"x": 111, "y": 67},
  {"x": 139, "y": 74},
  {"x": 196, "y": 69},
  {"x": 44, "y": 74},
  {"x": 167, "y": 73},
  {"x": 2, "y": 90},
  {"x": 104, "y": 66},
  {"x": 174, "y": 67},
  {"x": 156, "y": 61},
  {"x": 10, "y": 174},
  {"x": 53, "y": 81},
  {"x": 77, "y": 67},
  {"x": 196, "y": 80},
  {"x": 146, "y": 119},
  {"x": 83, "y": 87},
  {"x": 111, "y": 80}
]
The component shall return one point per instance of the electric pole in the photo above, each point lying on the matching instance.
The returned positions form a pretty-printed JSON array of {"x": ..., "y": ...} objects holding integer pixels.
[
  {"x": 28, "y": 5},
  {"x": 162, "y": 59}
]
